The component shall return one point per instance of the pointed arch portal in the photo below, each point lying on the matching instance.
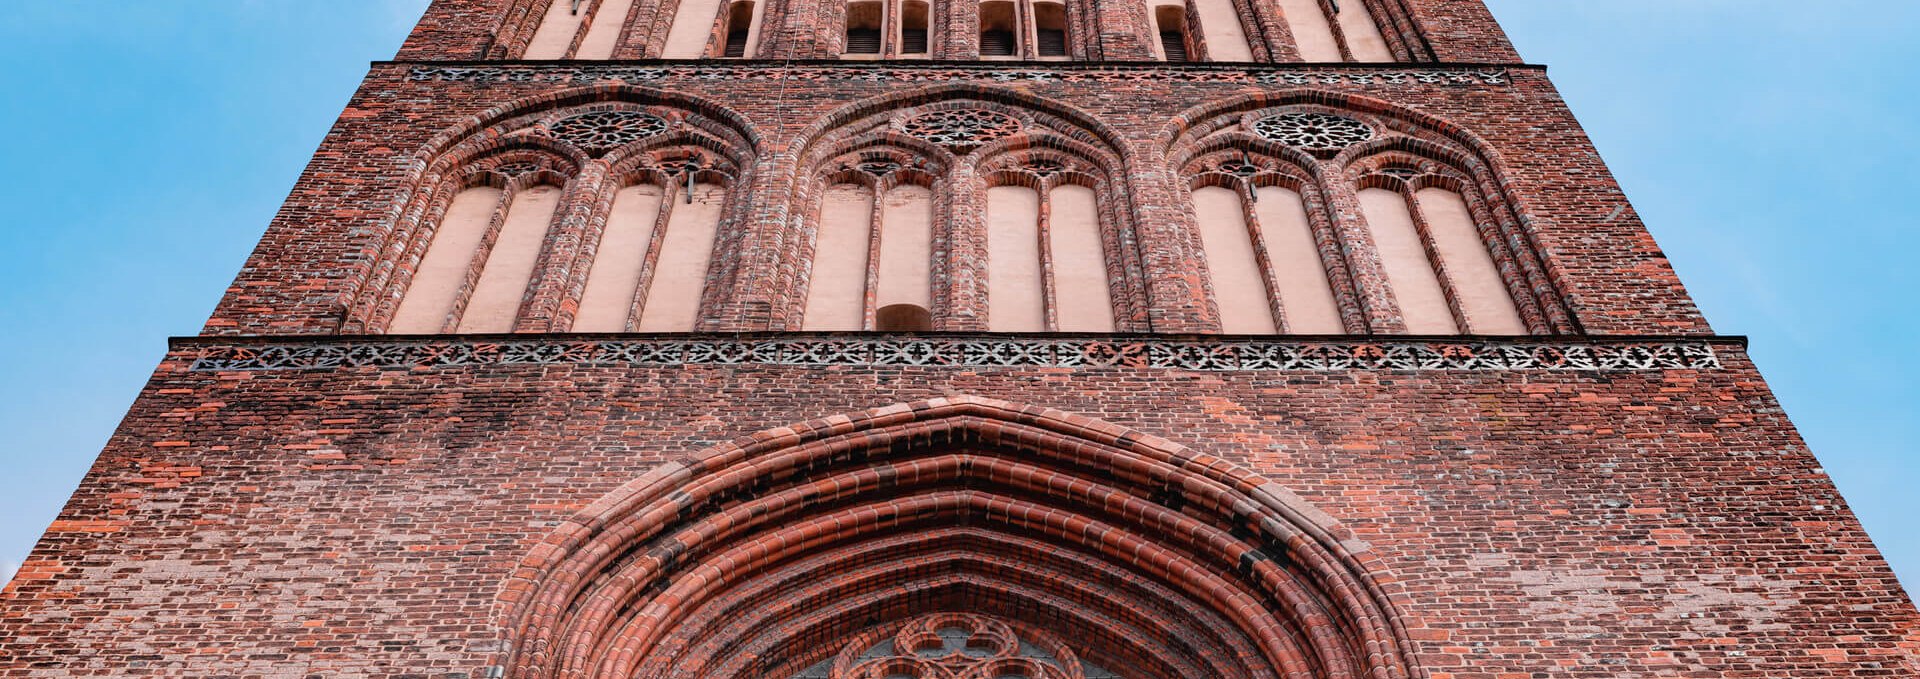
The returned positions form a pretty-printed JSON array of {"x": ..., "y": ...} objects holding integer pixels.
[{"x": 956, "y": 531}]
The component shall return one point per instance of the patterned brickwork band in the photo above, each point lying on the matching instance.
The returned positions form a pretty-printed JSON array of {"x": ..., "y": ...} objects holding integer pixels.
[
  {"x": 972, "y": 351},
  {"x": 955, "y": 73}
]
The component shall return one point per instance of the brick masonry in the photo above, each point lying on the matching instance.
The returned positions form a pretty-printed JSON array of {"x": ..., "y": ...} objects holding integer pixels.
[{"x": 293, "y": 495}]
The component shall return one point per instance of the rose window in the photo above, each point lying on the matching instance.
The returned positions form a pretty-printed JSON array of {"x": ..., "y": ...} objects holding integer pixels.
[
  {"x": 607, "y": 129},
  {"x": 954, "y": 646},
  {"x": 962, "y": 127},
  {"x": 1317, "y": 131}
]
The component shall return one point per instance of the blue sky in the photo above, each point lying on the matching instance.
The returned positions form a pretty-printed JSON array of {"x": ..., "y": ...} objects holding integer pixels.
[{"x": 1771, "y": 150}]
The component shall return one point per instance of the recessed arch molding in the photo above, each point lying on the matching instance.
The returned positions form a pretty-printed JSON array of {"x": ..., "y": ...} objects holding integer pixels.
[{"x": 788, "y": 552}]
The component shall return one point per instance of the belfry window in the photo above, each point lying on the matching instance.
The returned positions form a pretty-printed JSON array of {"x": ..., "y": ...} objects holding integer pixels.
[
  {"x": 739, "y": 29},
  {"x": 1050, "y": 29},
  {"x": 863, "y": 28},
  {"x": 913, "y": 29},
  {"x": 999, "y": 31},
  {"x": 1171, "y": 20}
]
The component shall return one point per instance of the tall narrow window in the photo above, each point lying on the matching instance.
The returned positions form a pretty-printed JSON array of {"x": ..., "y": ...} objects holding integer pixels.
[
  {"x": 1016, "y": 302},
  {"x": 680, "y": 273},
  {"x": 1172, "y": 23},
  {"x": 998, "y": 31},
  {"x": 614, "y": 278},
  {"x": 1363, "y": 36},
  {"x": 557, "y": 30},
  {"x": 739, "y": 29},
  {"x": 609, "y": 25},
  {"x": 837, "y": 291},
  {"x": 435, "y": 291},
  {"x": 510, "y": 264},
  {"x": 905, "y": 274},
  {"x": 1312, "y": 34},
  {"x": 913, "y": 29},
  {"x": 1082, "y": 302},
  {"x": 1410, "y": 275},
  {"x": 1299, "y": 275},
  {"x": 691, "y": 30},
  {"x": 1239, "y": 290},
  {"x": 1220, "y": 27},
  {"x": 863, "y": 28},
  {"x": 1050, "y": 29},
  {"x": 1477, "y": 283}
]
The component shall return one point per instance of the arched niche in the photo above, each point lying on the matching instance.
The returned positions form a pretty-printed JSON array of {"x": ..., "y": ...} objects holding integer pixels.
[
  {"x": 595, "y": 130},
  {"x": 774, "y": 553},
  {"x": 1346, "y": 152}
]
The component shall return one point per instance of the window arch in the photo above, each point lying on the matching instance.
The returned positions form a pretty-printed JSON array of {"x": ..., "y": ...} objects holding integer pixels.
[
  {"x": 1413, "y": 234},
  {"x": 599, "y": 216},
  {"x": 475, "y": 269},
  {"x": 1031, "y": 221}
]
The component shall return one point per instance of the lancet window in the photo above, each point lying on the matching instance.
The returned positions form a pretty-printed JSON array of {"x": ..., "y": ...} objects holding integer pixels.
[
  {"x": 965, "y": 191},
  {"x": 601, "y": 219},
  {"x": 891, "y": 29},
  {"x": 1322, "y": 221}
]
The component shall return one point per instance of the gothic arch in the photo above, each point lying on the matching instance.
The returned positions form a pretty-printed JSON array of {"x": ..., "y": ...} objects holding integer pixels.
[
  {"x": 764, "y": 556},
  {"x": 1453, "y": 156},
  {"x": 1013, "y": 128},
  {"x": 663, "y": 118}
]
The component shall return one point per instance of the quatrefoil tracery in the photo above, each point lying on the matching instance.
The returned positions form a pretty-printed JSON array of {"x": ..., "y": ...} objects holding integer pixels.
[{"x": 956, "y": 646}]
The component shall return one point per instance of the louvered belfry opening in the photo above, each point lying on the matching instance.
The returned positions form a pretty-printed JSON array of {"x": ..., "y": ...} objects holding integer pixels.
[
  {"x": 863, "y": 28},
  {"x": 863, "y": 41},
  {"x": 1174, "y": 44},
  {"x": 997, "y": 24},
  {"x": 1172, "y": 22},
  {"x": 996, "y": 43},
  {"x": 1050, "y": 29},
  {"x": 739, "y": 26},
  {"x": 1053, "y": 43},
  {"x": 913, "y": 28}
]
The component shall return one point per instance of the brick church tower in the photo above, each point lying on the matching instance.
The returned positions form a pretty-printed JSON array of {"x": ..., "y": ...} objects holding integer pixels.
[{"x": 957, "y": 339}]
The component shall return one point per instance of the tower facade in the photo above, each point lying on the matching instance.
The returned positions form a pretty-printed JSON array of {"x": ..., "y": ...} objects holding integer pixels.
[{"x": 878, "y": 339}]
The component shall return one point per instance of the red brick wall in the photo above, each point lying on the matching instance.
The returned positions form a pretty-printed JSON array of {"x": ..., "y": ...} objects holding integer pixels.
[{"x": 362, "y": 522}]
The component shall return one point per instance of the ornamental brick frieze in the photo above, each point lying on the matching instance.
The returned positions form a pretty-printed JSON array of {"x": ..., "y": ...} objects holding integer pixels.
[
  {"x": 1248, "y": 75},
  {"x": 965, "y": 351}
]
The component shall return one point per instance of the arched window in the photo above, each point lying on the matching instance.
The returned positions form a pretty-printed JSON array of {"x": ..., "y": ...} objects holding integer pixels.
[
  {"x": 1050, "y": 29},
  {"x": 1171, "y": 23},
  {"x": 870, "y": 257},
  {"x": 864, "y": 20},
  {"x": 999, "y": 30},
  {"x": 1403, "y": 257},
  {"x": 477, "y": 270},
  {"x": 742, "y": 24},
  {"x": 692, "y": 29},
  {"x": 914, "y": 37}
]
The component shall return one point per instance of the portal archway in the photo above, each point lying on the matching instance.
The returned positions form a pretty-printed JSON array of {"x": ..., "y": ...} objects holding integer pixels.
[{"x": 796, "y": 552}]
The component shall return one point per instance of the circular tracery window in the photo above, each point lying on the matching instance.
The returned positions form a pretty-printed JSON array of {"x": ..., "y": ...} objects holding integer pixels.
[
  {"x": 607, "y": 129},
  {"x": 1318, "y": 131},
  {"x": 962, "y": 127},
  {"x": 958, "y": 645}
]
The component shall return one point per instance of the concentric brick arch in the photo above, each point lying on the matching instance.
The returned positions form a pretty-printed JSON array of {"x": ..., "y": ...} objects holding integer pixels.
[{"x": 767, "y": 555}]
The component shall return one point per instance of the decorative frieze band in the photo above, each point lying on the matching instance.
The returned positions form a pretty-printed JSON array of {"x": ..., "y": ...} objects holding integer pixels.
[
  {"x": 1184, "y": 353},
  {"x": 950, "y": 73}
]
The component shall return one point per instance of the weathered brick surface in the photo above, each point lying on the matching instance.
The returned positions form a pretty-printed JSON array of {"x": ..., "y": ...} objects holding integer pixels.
[
  {"x": 316, "y": 521},
  {"x": 363, "y": 522}
]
